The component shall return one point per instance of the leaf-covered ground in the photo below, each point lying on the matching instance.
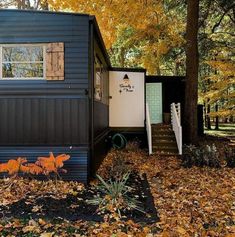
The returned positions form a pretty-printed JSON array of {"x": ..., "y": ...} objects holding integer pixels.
[
  {"x": 225, "y": 130},
  {"x": 190, "y": 202}
]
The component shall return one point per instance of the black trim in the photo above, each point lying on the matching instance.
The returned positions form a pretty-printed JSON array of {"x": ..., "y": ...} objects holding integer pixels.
[
  {"x": 127, "y": 129},
  {"x": 157, "y": 79},
  {"x": 128, "y": 69}
]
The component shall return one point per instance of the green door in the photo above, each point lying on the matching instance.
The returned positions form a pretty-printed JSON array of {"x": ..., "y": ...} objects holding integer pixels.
[{"x": 154, "y": 100}]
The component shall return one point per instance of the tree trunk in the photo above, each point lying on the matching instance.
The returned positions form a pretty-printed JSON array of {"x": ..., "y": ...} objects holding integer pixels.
[
  {"x": 192, "y": 62},
  {"x": 122, "y": 57},
  {"x": 208, "y": 117},
  {"x": 216, "y": 118}
]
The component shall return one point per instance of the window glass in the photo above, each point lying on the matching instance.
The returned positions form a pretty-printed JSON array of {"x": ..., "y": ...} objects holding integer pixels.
[
  {"x": 22, "y": 54},
  {"x": 22, "y": 70},
  {"x": 22, "y": 62},
  {"x": 98, "y": 79}
]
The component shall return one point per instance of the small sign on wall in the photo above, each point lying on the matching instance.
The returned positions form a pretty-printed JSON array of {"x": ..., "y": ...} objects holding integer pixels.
[{"x": 126, "y": 85}]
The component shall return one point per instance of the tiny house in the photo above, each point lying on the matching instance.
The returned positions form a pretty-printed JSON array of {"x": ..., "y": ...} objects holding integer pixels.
[
  {"x": 59, "y": 92},
  {"x": 54, "y": 88}
]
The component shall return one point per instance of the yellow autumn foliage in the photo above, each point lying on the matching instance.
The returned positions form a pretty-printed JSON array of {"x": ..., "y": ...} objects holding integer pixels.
[
  {"x": 152, "y": 25},
  {"x": 221, "y": 83}
]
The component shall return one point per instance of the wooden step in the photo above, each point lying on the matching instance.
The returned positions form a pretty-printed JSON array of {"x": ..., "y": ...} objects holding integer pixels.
[
  {"x": 162, "y": 132},
  {"x": 163, "y": 140},
  {"x": 161, "y": 125},
  {"x": 164, "y": 153},
  {"x": 171, "y": 143},
  {"x": 165, "y": 148},
  {"x": 163, "y": 136}
]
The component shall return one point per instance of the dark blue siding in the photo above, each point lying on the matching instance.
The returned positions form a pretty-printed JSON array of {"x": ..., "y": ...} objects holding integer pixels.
[
  {"x": 38, "y": 115},
  {"x": 51, "y": 97},
  {"x": 36, "y": 27},
  {"x": 38, "y": 121}
]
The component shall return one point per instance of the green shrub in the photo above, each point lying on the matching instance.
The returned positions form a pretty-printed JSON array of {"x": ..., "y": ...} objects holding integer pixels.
[
  {"x": 115, "y": 197},
  {"x": 230, "y": 157},
  {"x": 201, "y": 156}
]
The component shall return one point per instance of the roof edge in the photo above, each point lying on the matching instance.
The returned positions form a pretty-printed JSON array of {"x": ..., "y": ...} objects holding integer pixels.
[
  {"x": 44, "y": 11},
  {"x": 119, "y": 69}
]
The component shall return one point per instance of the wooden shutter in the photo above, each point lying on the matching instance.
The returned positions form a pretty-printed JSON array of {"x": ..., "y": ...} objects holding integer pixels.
[{"x": 55, "y": 61}]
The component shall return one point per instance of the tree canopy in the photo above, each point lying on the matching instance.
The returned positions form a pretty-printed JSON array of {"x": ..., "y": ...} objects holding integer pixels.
[{"x": 139, "y": 33}]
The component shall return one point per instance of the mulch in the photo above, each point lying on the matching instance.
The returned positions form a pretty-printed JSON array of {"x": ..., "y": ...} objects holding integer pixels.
[{"x": 74, "y": 207}]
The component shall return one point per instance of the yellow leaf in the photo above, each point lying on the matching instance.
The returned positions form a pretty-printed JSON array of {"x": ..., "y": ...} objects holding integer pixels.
[
  {"x": 41, "y": 221},
  {"x": 47, "y": 234},
  {"x": 182, "y": 231}
]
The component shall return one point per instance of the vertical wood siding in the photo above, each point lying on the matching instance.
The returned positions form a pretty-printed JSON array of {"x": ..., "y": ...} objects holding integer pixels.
[{"x": 38, "y": 121}]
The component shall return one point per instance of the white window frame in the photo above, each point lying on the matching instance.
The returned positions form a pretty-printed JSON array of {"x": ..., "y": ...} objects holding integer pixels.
[{"x": 24, "y": 78}]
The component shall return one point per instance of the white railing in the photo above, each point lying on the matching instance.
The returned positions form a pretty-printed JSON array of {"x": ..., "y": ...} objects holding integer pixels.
[
  {"x": 149, "y": 129},
  {"x": 176, "y": 124}
]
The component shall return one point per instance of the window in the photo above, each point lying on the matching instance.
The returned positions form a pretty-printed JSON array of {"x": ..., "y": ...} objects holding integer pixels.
[
  {"x": 22, "y": 62},
  {"x": 98, "y": 79}
]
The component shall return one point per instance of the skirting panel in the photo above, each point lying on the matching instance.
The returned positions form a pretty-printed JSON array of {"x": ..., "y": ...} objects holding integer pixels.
[{"x": 76, "y": 166}]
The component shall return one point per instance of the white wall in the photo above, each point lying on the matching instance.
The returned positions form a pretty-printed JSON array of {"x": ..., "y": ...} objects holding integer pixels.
[{"x": 126, "y": 106}]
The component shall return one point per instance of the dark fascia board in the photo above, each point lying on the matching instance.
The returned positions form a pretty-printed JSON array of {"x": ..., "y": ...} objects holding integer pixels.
[
  {"x": 100, "y": 40},
  {"x": 44, "y": 11},
  {"x": 128, "y": 69},
  {"x": 155, "y": 79}
]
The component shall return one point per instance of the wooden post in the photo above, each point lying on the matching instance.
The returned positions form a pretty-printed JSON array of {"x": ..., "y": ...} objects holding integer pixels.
[{"x": 192, "y": 63}]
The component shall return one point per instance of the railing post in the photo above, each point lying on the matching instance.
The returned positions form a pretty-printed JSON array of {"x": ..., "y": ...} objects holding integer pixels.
[
  {"x": 149, "y": 129},
  {"x": 180, "y": 141},
  {"x": 179, "y": 112},
  {"x": 176, "y": 124},
  {"x": 172, "y": 106}
]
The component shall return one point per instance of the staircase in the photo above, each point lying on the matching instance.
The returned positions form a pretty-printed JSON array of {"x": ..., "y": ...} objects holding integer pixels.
[{"x": 163, "y": 140}]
